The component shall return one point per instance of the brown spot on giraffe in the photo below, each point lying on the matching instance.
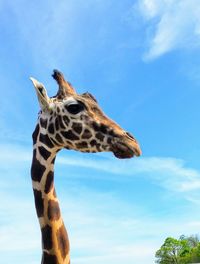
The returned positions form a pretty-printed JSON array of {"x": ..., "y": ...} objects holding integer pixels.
[
  {"x": 46, "y": 140},
  {"x": 59, "y": 139},
  {"x": 49, "y": 259},
  {"x": 69, "y": 135},
  {"x": 51, "y": 129},
  {"x": 47, "y": 237},
  {"x": 100, "y": 136},
  {"x": 82, "y": 145},
  {"x": 37, "y": 169},
  {"x": 63, "y": 242},
  {"x": 49, "y": 182},
  {"x": 87, "y": 134},
  {"x": 35, "y": 134},
  {"x": 53, "y": 210},
  {"x": 44, "y": 152},
  {"x": 77, "y": 127},
  {"x": 39, "y": 202},
  {"x": 43, "y": 122}
]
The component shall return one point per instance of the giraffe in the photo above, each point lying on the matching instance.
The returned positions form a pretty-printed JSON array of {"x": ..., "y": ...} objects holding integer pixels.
[{"x": 71, "y": 121}]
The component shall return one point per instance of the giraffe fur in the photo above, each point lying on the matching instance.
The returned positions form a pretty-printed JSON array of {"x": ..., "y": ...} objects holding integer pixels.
[{"x": 67, "y": 121}]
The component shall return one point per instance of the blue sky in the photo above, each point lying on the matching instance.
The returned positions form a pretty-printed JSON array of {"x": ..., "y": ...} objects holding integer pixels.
[{"x": 141, "y": 61}]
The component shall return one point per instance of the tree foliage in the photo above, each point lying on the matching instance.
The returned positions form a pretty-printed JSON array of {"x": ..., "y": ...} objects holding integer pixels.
[{"x": 184, "y": 250}]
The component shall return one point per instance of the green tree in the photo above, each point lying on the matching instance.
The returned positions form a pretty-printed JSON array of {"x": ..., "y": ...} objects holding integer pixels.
[
  {"x": 193, "y": 241},
  {"x": 172, "y": 251},
  {"x": 184, "y": 250},
  {"x": 195, "y": 254}
]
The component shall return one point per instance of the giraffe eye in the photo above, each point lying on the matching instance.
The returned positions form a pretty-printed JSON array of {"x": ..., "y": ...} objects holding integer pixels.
[{"x": 75, "y": 108}]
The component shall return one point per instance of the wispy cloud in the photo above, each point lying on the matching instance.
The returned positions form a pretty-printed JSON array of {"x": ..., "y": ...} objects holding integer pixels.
[
  {"x": 170, "y": 173},
  {"x": 171, "y": 24}
]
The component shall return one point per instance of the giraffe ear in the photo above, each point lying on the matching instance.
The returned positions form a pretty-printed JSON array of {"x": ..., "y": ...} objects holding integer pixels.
[{"x": 43, "y": 98}]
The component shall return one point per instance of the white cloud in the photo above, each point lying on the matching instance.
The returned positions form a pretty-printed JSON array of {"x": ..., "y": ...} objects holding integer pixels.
[
  {"x": 174, "y": 24},
  {"x": 170, "y": 173}
]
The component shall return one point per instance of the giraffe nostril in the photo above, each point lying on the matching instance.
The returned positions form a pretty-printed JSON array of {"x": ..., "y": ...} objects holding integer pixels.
[{"x": 130, "y": 136}]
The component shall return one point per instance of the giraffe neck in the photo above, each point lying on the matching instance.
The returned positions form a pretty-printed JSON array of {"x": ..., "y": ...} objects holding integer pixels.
[{"x": 55, "y": 243}]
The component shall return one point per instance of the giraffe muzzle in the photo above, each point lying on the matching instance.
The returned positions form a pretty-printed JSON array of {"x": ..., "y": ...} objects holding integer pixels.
[{"x": 127, "y": 150}]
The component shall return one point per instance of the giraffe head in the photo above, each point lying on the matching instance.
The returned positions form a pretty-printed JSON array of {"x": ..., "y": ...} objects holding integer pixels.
[{"x": 75, "y": 121}]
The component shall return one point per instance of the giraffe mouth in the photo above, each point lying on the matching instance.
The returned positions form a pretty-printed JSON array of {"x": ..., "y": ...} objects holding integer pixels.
[{"x": 123, "y": 151}]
